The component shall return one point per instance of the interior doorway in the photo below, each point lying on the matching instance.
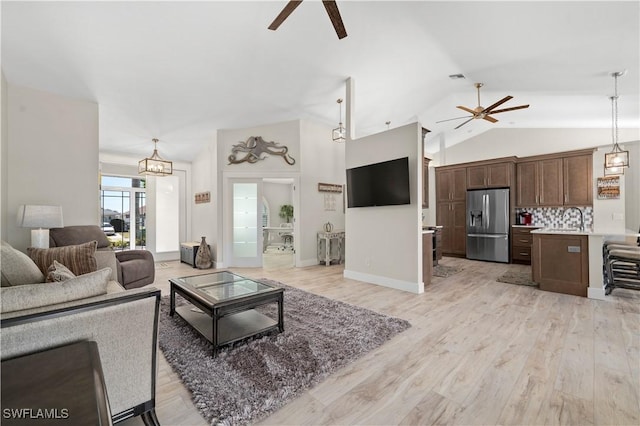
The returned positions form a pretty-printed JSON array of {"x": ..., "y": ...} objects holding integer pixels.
[{"x": 278, "y": 223}]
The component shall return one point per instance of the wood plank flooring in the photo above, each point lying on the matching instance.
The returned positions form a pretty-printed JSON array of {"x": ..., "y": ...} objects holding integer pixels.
[{"x": 479, "y": 352}]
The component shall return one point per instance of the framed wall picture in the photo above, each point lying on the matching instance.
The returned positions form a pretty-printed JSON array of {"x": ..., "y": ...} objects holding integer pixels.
[{"x": 609, "y": 188}]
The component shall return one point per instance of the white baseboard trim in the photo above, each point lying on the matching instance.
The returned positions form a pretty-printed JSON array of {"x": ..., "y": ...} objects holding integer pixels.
[
  {"x": 411, "y": 287},
  {"x": 596, "y": 293},
  {"x": 166, "y": 256}
]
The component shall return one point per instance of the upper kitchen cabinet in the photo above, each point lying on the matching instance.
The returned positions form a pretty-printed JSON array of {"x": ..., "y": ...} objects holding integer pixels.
[
  {"x": 451, "y": 184},
  {"x": 491, "y": 175},
  {"x": 554, "y": 180},
  {"x": 578, "y": 181}
]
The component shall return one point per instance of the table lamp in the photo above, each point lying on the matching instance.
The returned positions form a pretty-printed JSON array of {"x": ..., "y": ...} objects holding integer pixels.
[{"x": 41, "y": 217}]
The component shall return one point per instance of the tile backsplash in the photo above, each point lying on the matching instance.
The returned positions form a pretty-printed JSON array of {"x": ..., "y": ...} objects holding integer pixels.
[{"x": 557, "y": 217}]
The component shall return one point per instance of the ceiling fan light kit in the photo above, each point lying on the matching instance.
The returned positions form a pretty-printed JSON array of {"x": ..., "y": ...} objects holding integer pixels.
[
  {"x": 617, "y": 160},
  {"x": 155, "y": 165},
  {"x": 330, "y": 6}
]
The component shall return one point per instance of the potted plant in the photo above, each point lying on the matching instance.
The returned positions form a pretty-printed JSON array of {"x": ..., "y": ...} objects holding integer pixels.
[{"x": 286, "y": 212}]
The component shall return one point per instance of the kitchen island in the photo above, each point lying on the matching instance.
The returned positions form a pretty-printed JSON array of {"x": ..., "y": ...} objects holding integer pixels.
[{"x": 569, "y": 260}]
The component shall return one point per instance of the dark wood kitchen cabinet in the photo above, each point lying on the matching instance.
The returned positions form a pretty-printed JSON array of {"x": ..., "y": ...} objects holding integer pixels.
[
  {"x": 539, "y": 183},
  {"x": 451, "y": 206},
  {"x": 496, "y": 175},
  {"x": 578, "y": 183},
  {"x": 554, "y": 180}
]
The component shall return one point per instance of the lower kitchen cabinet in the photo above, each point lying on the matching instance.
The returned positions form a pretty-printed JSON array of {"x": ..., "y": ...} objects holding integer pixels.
[
  {"x": 560, "y": 263},
  {"x": 521, "y": 242}
]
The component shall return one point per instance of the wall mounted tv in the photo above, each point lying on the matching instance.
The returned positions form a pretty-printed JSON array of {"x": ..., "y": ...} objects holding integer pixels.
[{"x": 379, "y": 184}]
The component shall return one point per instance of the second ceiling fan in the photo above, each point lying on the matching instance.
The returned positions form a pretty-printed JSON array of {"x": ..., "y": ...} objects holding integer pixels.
[
  {"x": 483, "y": 113},
  {"x": 330, "y": 6}
]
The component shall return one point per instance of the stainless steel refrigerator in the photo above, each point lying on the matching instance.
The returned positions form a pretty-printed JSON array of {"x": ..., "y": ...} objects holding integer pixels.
[{"x": 488, "y": 225}]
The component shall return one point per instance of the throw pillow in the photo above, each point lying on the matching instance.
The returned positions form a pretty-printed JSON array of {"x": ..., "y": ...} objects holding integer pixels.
[
  {"x": 28, "y": 296},
  {"x": 79, "y": 258},
  {"x": 17, "y": 267},
  {"x": 58, "y": 272}
]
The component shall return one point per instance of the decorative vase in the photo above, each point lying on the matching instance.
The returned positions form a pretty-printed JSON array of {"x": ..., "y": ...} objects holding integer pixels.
[
  {"x": 203, "y": 257},
  {"x": 328, "y": 227}
]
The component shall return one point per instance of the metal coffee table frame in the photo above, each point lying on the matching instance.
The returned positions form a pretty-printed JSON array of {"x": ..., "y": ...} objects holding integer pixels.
[{"x": 226, "y": 321}]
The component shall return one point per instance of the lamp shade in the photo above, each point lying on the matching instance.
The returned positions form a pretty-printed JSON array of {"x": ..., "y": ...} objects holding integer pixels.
[{"x": 31, "y": 216}]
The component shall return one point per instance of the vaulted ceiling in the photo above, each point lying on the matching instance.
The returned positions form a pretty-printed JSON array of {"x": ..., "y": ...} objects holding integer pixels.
[{"x": 178, "y": 71}]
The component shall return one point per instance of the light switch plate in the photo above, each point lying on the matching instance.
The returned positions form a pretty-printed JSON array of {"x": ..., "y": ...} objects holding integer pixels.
[{"x": 618, "y": 216}]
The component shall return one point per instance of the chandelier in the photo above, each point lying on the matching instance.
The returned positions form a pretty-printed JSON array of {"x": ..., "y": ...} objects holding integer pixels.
[
  {"x": 339, "y": 133},
  {"x": 616, "y": 160},
  {"x": 155, "y": 165}
]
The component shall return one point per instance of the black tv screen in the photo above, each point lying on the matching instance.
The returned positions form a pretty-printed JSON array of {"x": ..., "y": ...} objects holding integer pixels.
[{"x": 379, "y": 184}]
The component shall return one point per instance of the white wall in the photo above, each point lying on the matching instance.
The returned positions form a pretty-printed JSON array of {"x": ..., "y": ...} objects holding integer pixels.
[
  {"x": 384, "y": 244},
  {"x": 632, "y": 181},
  {"x": 324, "y": 162},
  {"x": 205, "y": 215},
  {"x": 52, "y": 158}
]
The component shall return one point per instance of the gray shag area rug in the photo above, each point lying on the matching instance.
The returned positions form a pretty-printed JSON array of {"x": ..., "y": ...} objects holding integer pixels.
[
  {"x": 517, "y": 277},
  {"x": 445, "y": 271},
  {"x": 252, "y": 379}
]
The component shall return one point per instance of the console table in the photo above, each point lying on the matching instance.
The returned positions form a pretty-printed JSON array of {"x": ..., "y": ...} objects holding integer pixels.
[{"x": 325, "y": 242}]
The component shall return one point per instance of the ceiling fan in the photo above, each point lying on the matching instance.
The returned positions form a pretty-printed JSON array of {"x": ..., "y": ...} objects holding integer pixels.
[
  {"x": 331, "y": 8},
  {"x": 481, "y": 112}
]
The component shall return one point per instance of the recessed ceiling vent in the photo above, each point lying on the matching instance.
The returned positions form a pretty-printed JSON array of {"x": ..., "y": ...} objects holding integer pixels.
[{"x": 456, "y": 76}]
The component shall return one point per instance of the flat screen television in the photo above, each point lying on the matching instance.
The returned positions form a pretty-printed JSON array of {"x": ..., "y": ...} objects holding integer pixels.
[{"x": 379, "y": 184}]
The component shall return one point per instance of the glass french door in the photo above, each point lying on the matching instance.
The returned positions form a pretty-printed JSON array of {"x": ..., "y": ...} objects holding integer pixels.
[{"x": 246, "y": 218}]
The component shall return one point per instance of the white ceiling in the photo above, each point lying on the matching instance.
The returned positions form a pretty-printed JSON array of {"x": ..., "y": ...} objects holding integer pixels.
[{"x": 178, "y": 71}]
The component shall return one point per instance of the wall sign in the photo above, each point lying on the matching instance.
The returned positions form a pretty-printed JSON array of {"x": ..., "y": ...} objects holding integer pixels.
[
  {"x": 203, "y": 197},
  {"x": 329, "y": 187},
  {"x": 254, "y": 147},
  {"x": 609, "y": 188}
]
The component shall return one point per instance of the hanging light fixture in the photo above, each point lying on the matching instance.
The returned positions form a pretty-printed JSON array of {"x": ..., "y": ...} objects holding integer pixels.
[
  {"x": 155, "y": 165},
  {"x": 616, "y": 160},
  {"x": 339, "y": 133}
]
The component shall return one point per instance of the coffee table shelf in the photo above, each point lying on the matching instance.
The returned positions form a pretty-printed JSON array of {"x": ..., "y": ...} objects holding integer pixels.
[{"x": 231, "y": 328}]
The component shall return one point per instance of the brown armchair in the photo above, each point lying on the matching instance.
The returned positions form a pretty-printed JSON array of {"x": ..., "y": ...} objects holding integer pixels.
[{"x": 136, "y": 268}]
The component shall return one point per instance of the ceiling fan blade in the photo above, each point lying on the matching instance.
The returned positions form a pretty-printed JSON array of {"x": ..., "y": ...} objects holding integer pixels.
[
  {"x": 460, "y": 125},
  {"x": 490, "y": 119},
  {"x": 336, "y": 19},
  {"x": 509, "y": 109},
  {"x": 469, "y": 110},
  {"x": 284, "y": 14},
  {"x": 500, "y": 102},
  {"x": 451, "y": 119}
]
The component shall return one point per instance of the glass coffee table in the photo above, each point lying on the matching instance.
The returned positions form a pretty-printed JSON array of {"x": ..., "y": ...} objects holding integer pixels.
[{"x": 221, "y": 306}]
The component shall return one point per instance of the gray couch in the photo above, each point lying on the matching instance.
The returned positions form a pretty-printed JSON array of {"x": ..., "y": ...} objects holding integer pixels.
[
  {"x": 136, "y": 268},
  {"x": 94, "y": 307}
]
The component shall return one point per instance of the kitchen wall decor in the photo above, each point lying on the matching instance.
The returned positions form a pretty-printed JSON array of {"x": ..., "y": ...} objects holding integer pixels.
[{"x": 255, "y": 147}]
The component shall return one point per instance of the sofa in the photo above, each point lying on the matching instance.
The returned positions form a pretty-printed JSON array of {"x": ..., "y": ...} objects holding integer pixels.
[
  {"x": 36, "y": 316},
  {"x": 135, "y": 268}
]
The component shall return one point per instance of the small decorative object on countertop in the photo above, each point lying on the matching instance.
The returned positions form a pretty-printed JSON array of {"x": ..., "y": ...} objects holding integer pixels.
[{"x": 203, "y": 257}]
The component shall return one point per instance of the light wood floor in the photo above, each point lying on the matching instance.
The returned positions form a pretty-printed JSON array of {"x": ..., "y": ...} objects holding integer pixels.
[{"x": 478, "y": 352}]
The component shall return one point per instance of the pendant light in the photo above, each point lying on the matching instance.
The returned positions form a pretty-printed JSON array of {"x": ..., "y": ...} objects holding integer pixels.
[
  {"x": 339, "y": 134},
  {"x": 155, "y": 165},
  {"x": 617, "y": 160}
]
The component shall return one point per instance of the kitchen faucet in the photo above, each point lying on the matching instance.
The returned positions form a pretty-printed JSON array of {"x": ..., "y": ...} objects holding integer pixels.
[{"x": 581, "y": 216}]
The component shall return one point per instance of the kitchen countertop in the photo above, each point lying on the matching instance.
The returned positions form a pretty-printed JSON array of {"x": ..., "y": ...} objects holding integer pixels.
[
  {"x": 528, "y": 226},
  {"x": 574, "y": 231}
]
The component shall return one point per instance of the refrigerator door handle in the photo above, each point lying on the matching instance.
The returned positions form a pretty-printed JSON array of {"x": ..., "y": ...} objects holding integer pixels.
[
  {"x": 494, "y": 236},
  {"x": 486, "y": 210}
]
